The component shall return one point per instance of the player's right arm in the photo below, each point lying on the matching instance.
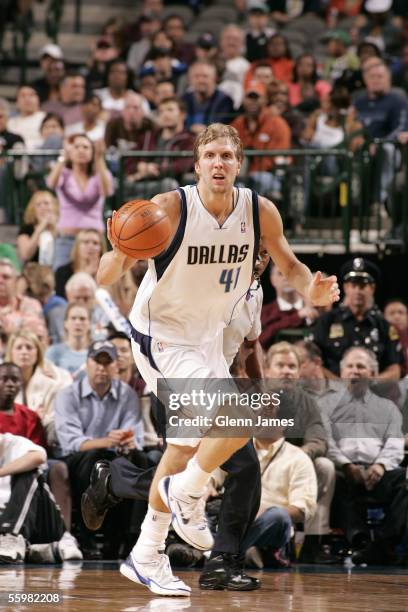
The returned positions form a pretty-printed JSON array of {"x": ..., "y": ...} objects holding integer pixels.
[{"x": 114, "y": 264}]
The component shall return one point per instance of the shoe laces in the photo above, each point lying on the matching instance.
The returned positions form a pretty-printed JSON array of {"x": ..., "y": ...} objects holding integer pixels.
[
  {"x": 164, "y": 571},
  {"x": 195, "y": 512}
]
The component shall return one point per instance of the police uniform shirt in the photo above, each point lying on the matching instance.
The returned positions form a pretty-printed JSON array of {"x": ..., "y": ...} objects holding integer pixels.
[{"x": 338, "y": 330}]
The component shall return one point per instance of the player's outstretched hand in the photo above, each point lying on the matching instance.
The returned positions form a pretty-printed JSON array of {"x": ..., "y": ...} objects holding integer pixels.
[{"x": 323, "y": 291}]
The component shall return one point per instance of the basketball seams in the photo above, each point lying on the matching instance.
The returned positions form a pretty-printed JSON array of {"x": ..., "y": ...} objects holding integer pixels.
[
  {"x": 143, "y": 230},
  {"x": 139, "y": 250},
  {"x": 131, "y": 216}
]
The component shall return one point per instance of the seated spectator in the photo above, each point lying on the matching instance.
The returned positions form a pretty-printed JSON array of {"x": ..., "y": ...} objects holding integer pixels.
[
  {"x": 164, "y": 89},
  {"x": 278, "y": 57},
  {"x": 27, "y": 122},
  {"x": 205, "y": 103},
  {"x": 36, "y": 237},
  {"x": 161, "y": 62},
  {"x": 287, "y": 311},
  {"x": 358, "y": 321},
  {"x": 139, "y": 49},
  {"x": 289, "y": 495},
  {"x": 234, "y": 64},
  {"x": 258, "y": 128},
  {"x": 72, "y": 94},
  {"x": 113, "y": 95},
  {"x": 283, "y": 366},
  {"x": 104, "y": 50},
  {"x": 306, "y": 84},
  {"x": 396, "y": 314},
  {"x": 383, "y": 114},
  {"x": 53, "y": 69},
  {"x": 175, "y": 28},
  {"x": 206, "y": 49},
  {"x": 71, "y": 354},
  {"x": 7, "y": 138},
  {"x": 38, "y": 385},
  {"x": 41, "y": 286},
  {"x": 16, "y": 418},
  {"x": 279, "y": 105},
  {"x": 380, "y": 26},
  {"x": 133, "y": 130},
  {"x": 258, "y": 32},
  {"x": 263, "y": 73},
  {"x": 31, "y": 525},
  {"x": 81, "y": 289},
  {"x": 352, "y": 78},
  {"x": 335, "y": 127},
  {"x": 312, "y": 374},
  {"x": 89, "y": 246},
  {"x": 338, "y": 56},
  {"x": 284, "y": 11},
  {"x": 152, "y": 9},
  {"x": 164, "y": 174},
  {"x": 92, "y": 124},
  {"x": 367, "y": 446},
  {"x": 14, "y": 308},
  {"x": 82, "y": 182},
  {"x": 52, "y": 134},
  {"x": 96, "y": 417}
]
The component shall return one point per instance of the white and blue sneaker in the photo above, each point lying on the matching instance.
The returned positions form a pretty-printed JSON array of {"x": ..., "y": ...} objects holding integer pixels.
[
  {"x": 155, "y": 575},
  {"x": 187, "y": 515}
]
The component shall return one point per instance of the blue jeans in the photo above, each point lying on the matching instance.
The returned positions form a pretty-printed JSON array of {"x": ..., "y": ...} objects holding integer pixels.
[{"x": 270, "y": 530}]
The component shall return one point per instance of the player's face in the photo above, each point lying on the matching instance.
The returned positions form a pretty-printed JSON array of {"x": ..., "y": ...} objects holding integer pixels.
[{"x": 218, "y": 166}]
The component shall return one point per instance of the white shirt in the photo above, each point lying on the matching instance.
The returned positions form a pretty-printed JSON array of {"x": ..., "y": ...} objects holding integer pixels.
[
  {"x": 28, "y": 128},
  {"x": 11, "y": 448},
  {"x": 288, "y": 480},
  {"x": 97, "y": 132},
  {"x": 285, "y": 306}
]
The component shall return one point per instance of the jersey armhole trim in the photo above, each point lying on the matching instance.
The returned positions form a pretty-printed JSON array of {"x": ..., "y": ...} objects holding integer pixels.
[
  {"x": 162, "y": 261},
  {"x": 257, "y": 228}
]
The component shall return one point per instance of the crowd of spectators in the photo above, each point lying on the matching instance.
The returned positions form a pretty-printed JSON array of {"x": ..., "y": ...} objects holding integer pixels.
[{"x": 68, "y": 384}]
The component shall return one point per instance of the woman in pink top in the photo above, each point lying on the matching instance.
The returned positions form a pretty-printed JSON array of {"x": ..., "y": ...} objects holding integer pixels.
[
  {"x": 82, "y": 182},
  {"x": 306, "y": 83}
]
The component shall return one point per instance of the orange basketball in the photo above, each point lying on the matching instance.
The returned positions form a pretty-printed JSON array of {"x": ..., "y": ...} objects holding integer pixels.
[{"x": 141, "y": 229}]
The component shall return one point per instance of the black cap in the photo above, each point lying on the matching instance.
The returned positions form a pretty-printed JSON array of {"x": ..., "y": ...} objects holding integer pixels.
[
  {"x": 206, "y": 41},
  {"x": 102, "y": 346},
  {"x": 360, "y": 270}
]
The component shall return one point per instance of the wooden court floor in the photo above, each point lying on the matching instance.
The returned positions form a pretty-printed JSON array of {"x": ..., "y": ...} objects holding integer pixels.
[{"x": 100, "y": 587}]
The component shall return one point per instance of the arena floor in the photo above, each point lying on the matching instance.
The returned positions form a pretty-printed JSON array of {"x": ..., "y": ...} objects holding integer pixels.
[{"x": 99, "y": 587}]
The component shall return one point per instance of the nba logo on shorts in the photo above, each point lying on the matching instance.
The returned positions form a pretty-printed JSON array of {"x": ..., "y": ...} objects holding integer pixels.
[
  {"x": 160, "y": 347},
  {"x": 243, "y": 228}
]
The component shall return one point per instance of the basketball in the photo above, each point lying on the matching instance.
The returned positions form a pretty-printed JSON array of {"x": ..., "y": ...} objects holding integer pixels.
[{"x": 140, "y": 229}]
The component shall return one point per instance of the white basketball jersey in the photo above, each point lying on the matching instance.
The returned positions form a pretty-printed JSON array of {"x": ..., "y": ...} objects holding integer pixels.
[
  {"x": 247, "y": 326},
  {"x": 199, "y": 284}
]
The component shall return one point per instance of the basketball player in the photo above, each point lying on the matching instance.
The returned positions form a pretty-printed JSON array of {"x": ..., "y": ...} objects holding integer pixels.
[{"x": 190, "y": 293}]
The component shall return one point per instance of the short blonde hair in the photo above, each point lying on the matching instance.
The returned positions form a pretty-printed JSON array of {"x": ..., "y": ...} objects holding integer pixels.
[
  {"x": 282, "y": 347},
  {"x": 75, "y": 258},
  {"x": 26, "y": 335},
  {"x": 215, "y": 131},
  {"x": 30, "y": 212}
]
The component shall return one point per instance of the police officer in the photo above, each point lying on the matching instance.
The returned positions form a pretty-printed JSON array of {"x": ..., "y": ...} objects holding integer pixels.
[{"x": 358, "y": 322}]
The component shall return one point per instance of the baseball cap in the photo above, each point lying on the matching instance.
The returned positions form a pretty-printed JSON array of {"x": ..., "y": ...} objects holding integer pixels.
[
  {"x": 378, "y": 6},
  {"x": 256, "y": 87},
  {"x": 340, "y": 35},
  {"x": 206, "y": 41},
  {"x": 53, "y": 51},
  {"x": 257, "y": 6},
  {"x": 361, "y": 270},
  {"x": 102, "y": 346}
]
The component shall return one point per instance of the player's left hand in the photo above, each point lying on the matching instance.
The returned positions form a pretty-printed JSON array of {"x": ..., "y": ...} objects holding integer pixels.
[{"x": 323, "y": 291}]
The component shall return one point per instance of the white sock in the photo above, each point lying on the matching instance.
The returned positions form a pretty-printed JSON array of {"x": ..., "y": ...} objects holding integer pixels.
[
  {"x": 193, "y": 480},
  {"x": 153, "y": 534}
]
